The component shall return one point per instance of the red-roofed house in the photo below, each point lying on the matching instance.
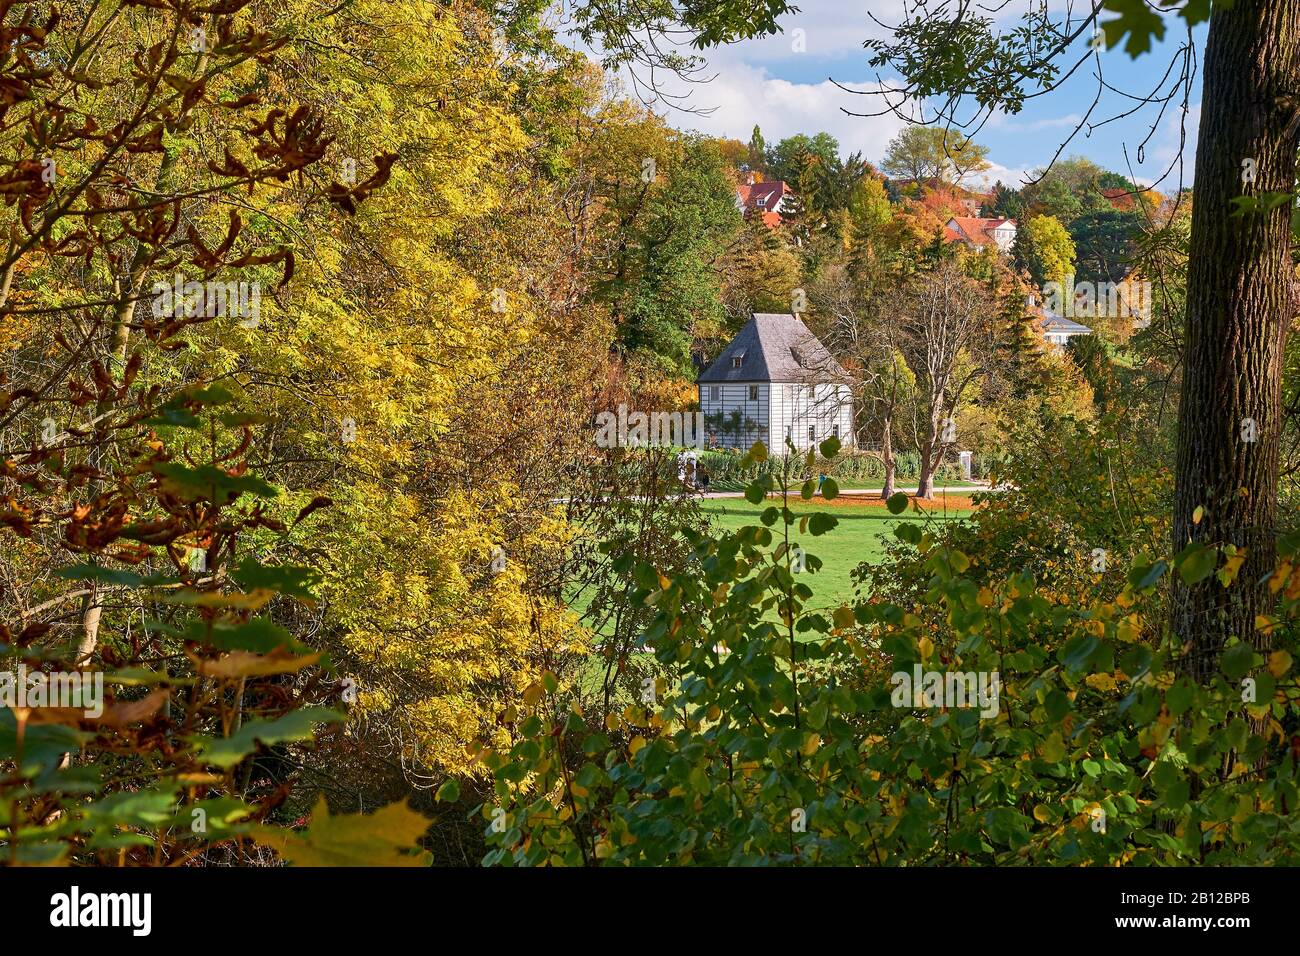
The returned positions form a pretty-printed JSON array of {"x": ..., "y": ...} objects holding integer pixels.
[
  {"x": 977, "y": 233},
  {"x": 772, "y": 200}
]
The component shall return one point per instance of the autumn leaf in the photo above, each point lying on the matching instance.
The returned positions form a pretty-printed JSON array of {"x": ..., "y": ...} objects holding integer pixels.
[{"x": 387, "y": 837}]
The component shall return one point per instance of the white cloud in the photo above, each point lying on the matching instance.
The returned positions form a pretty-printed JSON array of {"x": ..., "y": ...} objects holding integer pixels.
[
  {"x": 1015, "y": 178},
  {"x": 746, "y": 95}
]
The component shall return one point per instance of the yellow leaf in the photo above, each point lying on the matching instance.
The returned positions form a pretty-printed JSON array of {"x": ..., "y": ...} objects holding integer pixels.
[
  {"x": 984, "y": 598},
  {"x": 635, "y": 744},
  {"x": 1129, "y": 629},
  {"x": 1042, "y": 814},
  {"x": 926, "y": 647},
  {"x": 1100, "y": 681},
  {"x": 386, "y": 837},
  {"x": 1279, "y": 662},
  {"x": 1053, "y": 748},
  {"x": 1231, "y": 567}
]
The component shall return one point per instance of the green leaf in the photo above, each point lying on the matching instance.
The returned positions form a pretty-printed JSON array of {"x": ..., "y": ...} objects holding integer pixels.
[
  {"x": 820, "y": 523},
  {"x": 1196, "y": 562},
  {"x": 1053, "y": 748},
  {"x": 830, "y": 488},
  {"x": 1146, "y": 575},
  {"x": 259, "y": 635},
  {"x": 908, "y": 533},
  {"x": 222, "y": 817},
  {"x": 1136, "y": 20},
  {"x": 300, "y": 724},
  {"x": 206, "y": 483},
  {"x": 830, "y": 447},
  {"x": 288, "y": 579},
  {"x": 174, "y": 417},
  {"x": 897, "y": 503},
  {"x": 1260, "y": 205},
  {"x": 208, "y": 395},
  {"x": 1237, "y": 660},
  {"x": 1078, "y": 651},
  {"x": 147, "y": 809},
  {"x": 242, "y": 419},
  {"x": 43, "y": 744},
  {"x": 449, "y": 792}
]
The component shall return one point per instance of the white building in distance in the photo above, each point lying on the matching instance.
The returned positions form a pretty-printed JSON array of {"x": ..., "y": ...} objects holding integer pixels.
[{"x": 776, "y": 381}]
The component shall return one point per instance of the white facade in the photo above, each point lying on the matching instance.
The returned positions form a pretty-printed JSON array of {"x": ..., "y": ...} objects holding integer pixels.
[
  {"x": 770, "y": 412},
  {"x": 1004, "y": 236}
]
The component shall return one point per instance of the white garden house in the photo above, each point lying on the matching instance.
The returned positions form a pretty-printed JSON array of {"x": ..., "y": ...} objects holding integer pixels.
[{"x": 775, "y": 381}]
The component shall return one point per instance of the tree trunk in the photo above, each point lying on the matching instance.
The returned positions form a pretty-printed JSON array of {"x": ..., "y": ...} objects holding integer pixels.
[
  {"x": 931, "y": 452},
  {"x": 118, "y": 351},
  {"x": 1239, "y": 307},
  {"x": 887, "y": 454}
]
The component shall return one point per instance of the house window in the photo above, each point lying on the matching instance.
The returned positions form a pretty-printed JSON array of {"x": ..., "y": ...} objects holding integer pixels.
[
  {"x": 835, "y": 431},
  {"x": 761, "y": 201},
  {"x": 737, "y": 361},
  {"x": 812, "y": 433},
  {"x": 715, "y": 392},
  {"x": 753, "y": 393}
]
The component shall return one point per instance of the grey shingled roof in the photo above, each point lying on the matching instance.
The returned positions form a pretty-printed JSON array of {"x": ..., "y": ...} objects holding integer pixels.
[
  {"x": 778, "y": 348},
  {"x": 1052, "y": 322}
]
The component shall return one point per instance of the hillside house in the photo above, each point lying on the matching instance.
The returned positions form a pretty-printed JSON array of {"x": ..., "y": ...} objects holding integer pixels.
[
  {"x": 978, "y": 233},
  {"x": 1056, "y": 329},
  {"x": 774, "y": 381},
  {"x": 772, "y": 200}
]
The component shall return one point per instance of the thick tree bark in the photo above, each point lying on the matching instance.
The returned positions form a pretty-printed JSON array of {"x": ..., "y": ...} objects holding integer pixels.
[{"x": 1239, "y": 307}]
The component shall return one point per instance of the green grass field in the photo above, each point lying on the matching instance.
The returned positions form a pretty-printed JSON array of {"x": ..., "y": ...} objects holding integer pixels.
[{"x": 861, "y": 535}]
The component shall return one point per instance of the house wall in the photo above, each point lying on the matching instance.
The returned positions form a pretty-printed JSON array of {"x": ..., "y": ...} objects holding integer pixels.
[
  {"x": 732, "y": 397},
  {"x": 796, "y": 407}
]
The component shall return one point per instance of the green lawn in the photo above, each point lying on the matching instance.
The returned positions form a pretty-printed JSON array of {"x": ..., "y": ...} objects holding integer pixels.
[{"x": 861, "y": 535}]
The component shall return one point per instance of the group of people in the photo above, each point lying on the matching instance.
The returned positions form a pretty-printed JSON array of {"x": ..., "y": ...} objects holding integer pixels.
[{"x": 689, "y": 472}]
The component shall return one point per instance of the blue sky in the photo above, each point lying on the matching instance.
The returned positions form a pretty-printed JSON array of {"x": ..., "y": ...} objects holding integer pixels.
[{"x": 785, "y": 90}]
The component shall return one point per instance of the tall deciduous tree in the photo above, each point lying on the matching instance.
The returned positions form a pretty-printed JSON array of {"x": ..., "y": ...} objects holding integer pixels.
[
  {"x": 926, "y": 152},
  {"x": 946, "y": 317},
  {"x": 1241, "y": 290},
  {"x": 1044, "y": 247}
]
